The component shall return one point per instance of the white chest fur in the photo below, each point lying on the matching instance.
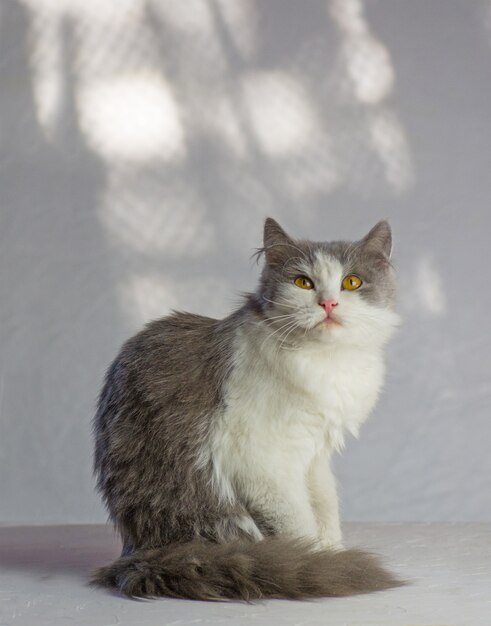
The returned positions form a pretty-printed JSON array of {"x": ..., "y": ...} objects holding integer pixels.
[{"x": 283, "y": 407}]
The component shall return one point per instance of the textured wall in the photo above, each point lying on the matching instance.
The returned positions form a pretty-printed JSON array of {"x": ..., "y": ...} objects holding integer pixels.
[{"x": 141, "y": 146}]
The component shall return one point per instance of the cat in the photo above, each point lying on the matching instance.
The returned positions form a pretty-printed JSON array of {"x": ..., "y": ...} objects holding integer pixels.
[{"x": 213, "y": 438}]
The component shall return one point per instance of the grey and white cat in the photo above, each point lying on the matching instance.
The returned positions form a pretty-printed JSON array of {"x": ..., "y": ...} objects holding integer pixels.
[{"x": 214, "y": 437}]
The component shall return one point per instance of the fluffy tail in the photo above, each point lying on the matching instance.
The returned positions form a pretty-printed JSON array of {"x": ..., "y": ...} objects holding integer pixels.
[{"x": 273, "y": 568}]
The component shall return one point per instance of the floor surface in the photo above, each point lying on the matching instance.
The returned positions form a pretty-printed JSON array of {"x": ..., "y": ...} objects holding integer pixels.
[{"x": 44, "y": 572}]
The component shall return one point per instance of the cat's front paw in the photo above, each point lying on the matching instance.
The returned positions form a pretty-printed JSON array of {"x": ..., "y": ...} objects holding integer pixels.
[
  {"x": 329, "y": 544},
  {"x": 331, "y": 539}
]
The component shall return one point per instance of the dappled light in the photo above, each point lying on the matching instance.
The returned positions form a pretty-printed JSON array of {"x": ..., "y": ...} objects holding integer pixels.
[
  {"x": 390, "y": 143},
  {"x": 153, "y": 217},
  {"x": 368, "y": 77},
  {"x": 279, "y": 112},
  {"x": 240, "y": 20},
  {"x": 428, "y": 290},
  {"x": 132, "y": 118},
  {"x": 368, "y": 64},
  {"x": 187, "y": 119},
  {"x": 146, "y": 295},
  {"x": 424, "y": 296},
  {"x": 142, "y": 144}
]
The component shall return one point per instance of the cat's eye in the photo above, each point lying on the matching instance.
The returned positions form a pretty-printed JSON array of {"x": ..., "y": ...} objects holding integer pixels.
[
  {"x": 303, "y": 282},
  {"x": 351, "y": 282}
]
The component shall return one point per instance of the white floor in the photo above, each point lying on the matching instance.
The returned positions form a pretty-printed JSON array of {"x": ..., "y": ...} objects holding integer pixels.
[{"x": 44, "y": 570}]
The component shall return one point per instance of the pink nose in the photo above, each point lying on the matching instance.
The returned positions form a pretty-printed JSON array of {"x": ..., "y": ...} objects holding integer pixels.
[{"x": 328, "y": 305}]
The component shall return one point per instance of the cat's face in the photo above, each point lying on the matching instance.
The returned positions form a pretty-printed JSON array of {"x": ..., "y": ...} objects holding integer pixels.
[{"x": 328, "y": 292}]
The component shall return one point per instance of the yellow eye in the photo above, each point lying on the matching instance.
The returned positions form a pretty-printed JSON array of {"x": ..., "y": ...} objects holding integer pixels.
[
  {"x": 303, "y": 282},
  {"x": 351, "y": 282}
]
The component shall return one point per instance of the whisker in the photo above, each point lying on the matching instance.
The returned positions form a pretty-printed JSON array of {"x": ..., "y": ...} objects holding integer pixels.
[
  {"x": 285, "y": 326},
  {"x": 297, "y": 325},
  {"x": 273, "y": 318},
  {"x": 283, "y": 337},
  {"x": 285, "y": 303},
  {"x": 269, "y": 320},
  {"x": 277, "y": 317},
  {"x": 291, "y": 349}
]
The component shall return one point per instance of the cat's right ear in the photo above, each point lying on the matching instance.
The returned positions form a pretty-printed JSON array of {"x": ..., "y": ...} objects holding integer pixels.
[{"x": 276, "y": 242}]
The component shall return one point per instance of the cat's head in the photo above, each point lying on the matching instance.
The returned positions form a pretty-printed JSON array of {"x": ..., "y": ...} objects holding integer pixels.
[{"x": 329, "y": 292}]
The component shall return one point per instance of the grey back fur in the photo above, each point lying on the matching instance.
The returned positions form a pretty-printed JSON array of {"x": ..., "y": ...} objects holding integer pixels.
[{"x": 154, "y": 415}]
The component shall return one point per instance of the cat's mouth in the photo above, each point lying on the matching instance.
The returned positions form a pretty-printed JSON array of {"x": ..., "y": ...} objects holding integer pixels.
[{"x": 329, "y": 321}]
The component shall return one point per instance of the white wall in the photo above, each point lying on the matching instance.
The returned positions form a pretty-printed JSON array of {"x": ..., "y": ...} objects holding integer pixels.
[{"x": 141, "y": 146}]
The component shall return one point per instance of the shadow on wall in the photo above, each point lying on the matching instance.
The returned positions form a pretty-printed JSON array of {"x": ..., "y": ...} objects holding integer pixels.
[
  {"x": 51, "y": 248},
  {"x": 191, "y": 121},
  {"x": 141, "y": 143}
]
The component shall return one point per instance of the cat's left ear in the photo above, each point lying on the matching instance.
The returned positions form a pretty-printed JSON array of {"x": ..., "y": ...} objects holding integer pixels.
[{"x": 379, "y": 239}]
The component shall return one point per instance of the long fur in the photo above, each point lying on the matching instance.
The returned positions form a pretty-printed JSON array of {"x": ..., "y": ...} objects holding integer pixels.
[
  {"x": 213, "y": 438},
  {"x": 273, "y": 568}
]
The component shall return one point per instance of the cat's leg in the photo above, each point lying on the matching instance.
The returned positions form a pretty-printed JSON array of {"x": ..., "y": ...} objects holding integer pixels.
[
  {"x": 324, "y": 498},
  {"x": 282, "y": 505}
]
